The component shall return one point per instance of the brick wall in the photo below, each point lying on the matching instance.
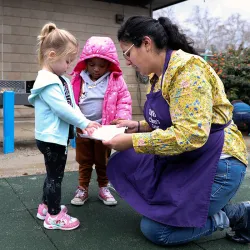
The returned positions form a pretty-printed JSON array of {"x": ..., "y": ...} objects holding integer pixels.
[{"x": 21, "y": 21}]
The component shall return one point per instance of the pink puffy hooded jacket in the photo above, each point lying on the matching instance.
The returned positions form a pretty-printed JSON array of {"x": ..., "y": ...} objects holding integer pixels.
[{"x": 117, "y": 100}]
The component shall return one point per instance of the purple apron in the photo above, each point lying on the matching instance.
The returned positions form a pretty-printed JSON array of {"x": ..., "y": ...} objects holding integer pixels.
[{"x": 173, "y": 190}]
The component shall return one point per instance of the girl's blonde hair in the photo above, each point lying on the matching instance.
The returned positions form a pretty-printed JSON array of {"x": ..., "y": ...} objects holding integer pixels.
[{"x": 58, "y": 40}]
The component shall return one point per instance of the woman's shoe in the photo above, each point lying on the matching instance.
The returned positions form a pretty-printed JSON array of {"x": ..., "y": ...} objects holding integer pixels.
[{"x": 239, "y": 217}]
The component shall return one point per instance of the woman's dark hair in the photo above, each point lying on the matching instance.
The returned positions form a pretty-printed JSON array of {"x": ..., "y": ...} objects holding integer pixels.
[{"x": 164, "y": 33}]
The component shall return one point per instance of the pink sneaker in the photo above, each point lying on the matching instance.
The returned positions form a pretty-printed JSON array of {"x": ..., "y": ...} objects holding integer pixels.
[
  {"x": 43, "y": 210},
  {"x": 61, "y": 221},
  {"x": 106, "y": 196},
  {"x": 81, "y": 195}
]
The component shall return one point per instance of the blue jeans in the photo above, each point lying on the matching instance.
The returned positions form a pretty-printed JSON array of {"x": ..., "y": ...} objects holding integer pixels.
[{"x": 229, "y": 176}]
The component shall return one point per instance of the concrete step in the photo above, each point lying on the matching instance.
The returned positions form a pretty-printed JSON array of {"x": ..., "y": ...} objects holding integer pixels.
[{"x": 22, "y": 112}]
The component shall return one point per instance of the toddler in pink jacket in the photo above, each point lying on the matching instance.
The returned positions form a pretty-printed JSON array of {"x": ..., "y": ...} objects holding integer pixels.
[{"x": 102, "y": 95}]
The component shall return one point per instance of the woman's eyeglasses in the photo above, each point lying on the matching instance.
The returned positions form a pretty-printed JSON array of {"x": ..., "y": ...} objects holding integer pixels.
[{"x": 126, "y": 54}]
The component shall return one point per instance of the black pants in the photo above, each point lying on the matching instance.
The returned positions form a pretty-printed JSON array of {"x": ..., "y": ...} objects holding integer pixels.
[{"x": 55, "y": 157}]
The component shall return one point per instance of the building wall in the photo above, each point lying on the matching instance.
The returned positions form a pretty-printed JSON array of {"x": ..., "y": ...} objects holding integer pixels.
[{"x": 21, "y": 21}]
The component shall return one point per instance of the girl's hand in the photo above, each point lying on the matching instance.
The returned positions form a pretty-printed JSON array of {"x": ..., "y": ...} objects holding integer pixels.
[
  {"x": 120, "y": 142},
  {"x": 88, "y": 131},
  {"x": 132, "y": 126},
  {"x": 114, "y": 122},
  {"x": 91, "y": 128},
  {"x": 94, "y": 125}
]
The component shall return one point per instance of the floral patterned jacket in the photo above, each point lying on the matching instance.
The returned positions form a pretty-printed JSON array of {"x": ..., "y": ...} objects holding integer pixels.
[{"x": 196, "y": 99}]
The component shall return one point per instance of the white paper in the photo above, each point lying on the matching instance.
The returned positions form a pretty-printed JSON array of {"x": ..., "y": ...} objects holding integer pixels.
[{"x": 104, "y": 133}]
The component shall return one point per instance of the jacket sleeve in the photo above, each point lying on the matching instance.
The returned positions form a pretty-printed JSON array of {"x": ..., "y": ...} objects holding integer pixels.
[
  {"x": 53, "y": 96},
  {"x": 190, "y": 106},
  {"x": 76, "y": 86},
  {"x": 124, "y": 101},
  {"x": 144, "y": 126}
]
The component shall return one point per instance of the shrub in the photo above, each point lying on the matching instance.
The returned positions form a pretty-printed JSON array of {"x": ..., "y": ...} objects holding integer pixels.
[{"x": 233, "y": 67}]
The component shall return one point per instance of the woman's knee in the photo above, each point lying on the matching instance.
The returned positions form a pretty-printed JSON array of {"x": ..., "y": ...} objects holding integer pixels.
[{"x": 154, "y": 231}]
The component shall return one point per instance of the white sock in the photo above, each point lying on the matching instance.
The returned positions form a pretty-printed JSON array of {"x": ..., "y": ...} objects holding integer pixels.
[{"x": 221, "y": 220}]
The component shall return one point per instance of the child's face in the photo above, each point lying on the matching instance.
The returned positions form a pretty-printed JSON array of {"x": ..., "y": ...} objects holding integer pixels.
[
  {"x": 97, "y": 67},
  {"x": 60, "y": 66}
]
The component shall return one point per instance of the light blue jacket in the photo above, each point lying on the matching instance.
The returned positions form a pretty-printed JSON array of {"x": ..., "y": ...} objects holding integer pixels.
[{"x": 52, "y": 112}]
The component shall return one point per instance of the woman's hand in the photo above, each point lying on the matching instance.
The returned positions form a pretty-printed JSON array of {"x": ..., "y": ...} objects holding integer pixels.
[
  {"x": 132, "y": 126},
  {"x": 120, "y": 142}
]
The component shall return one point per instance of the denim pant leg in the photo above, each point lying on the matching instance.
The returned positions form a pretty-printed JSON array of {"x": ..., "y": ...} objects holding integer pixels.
[
  {"x": 230, "y": 174},
  {"x": 228, "y": 178}
]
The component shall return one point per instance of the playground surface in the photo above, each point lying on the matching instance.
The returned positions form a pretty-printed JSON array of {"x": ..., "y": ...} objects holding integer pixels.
[{"x": 102, "y": 227}]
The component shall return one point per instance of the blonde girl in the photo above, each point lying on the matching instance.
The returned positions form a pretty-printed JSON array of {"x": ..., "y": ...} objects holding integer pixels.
[{"x": 56, "y": 114}]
